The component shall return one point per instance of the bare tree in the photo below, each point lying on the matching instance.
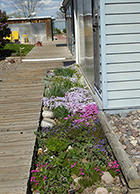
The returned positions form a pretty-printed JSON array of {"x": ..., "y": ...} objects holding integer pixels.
[
  {"x": 60, "y": 15},
  {"x": 27, "y": 7}
]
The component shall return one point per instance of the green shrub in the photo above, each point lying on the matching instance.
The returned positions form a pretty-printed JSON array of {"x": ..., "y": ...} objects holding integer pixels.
[
  {"x": 64, "y": 30},
  {"x": 57, "y": 31}
]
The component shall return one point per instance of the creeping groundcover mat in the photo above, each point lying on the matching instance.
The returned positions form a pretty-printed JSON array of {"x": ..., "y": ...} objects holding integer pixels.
[{"x": 73, "y": 153}]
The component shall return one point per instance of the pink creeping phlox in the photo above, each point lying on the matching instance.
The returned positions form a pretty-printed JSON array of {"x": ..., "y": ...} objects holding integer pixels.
[
  {"x": 81, "y": 173},
  {"x": 73, "y": 165},
  {"x": 44, "y": 178},
  {"x": 88, "y": 113},
  {"x": 32, "y": 179},
  {"x": 35, "y": 171},
  {"x": 97, "y": 168},
  {"x": 36, "y": 182},
  {"x": 114, "y": 165}
]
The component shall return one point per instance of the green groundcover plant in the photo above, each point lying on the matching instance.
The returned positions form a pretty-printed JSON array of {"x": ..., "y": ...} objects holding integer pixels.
[{"x": 75, "y": 148}]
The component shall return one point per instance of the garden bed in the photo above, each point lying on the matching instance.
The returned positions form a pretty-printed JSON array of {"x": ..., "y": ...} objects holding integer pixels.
[{"x": 73, "y": 152}]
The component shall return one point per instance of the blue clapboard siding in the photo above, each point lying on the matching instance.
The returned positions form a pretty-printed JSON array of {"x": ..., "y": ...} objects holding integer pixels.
[{"x": 122, "y": 29}]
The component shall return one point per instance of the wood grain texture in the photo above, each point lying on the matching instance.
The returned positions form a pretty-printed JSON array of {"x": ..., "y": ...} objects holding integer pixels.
[{"x": 21, "y": 92}]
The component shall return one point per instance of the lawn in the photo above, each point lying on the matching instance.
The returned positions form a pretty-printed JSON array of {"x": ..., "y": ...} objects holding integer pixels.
[{"x": 13, "y": 49}]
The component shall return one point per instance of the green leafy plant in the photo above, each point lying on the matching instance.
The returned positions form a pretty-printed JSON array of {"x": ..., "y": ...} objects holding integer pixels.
[
  {"x": 56, "y": 145},
  {"x": 61, "y": 112},
  {"x": 64, "y": 72}
]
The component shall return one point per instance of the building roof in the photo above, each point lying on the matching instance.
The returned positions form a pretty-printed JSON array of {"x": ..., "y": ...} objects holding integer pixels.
[
  {"x": 64, "y": 3},
  {"x": 31, "y": 18}
]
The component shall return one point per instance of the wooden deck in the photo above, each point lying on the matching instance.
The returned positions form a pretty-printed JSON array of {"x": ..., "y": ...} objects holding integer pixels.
[{"x": 21, "y": 92}]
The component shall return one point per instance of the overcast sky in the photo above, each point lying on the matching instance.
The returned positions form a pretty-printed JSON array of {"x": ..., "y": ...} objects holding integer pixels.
[{"x": 50, "y": 7}]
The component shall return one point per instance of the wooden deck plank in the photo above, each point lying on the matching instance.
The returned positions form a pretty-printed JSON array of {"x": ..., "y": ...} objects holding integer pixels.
[{"x": 21, "y": 91}]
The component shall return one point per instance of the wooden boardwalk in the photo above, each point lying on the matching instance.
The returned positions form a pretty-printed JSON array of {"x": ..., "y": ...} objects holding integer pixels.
[{"x": 21, "y": 92}]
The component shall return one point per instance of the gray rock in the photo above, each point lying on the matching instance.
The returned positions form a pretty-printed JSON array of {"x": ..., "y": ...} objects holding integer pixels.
[
  {"x": 69, "y": 148},
  {"x": 47, "y": 114},
  {"x": 127, "y": 143},
  {"x": 49, "y": 120},
  {"x": 107, "y": 177},
  {"x": 46, "y": 124},
  {"x": 101, "y": 190},
  {"x": 129, "y": 133},
  {"x": 137, "y": 157},
  {"x": 123, "y": 114},
  {"x": 133, "y": 152},
  {"x": 138, "y": 123}
]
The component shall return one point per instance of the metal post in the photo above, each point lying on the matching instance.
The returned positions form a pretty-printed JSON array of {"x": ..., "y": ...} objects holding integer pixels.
[{"x": 20, "y": 55}]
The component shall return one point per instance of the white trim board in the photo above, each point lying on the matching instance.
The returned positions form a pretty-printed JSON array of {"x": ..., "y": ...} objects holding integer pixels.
[{"x": 51, "y": 59}]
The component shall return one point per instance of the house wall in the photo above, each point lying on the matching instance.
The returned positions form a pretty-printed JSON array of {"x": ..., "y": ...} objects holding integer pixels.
[
  {"x": 122, "y": 29},
  {"x": 119, "y": 51}
]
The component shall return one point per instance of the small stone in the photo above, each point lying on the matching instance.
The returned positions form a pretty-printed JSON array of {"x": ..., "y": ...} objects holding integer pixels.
[
  {"x": 116, "y": 180},
  {"x": 138, "y": 110},
  {"x": 101, "y": 190},
  {"x": 133, "y": 151},
  {"x": 123, "y": 114},
  {"x": 46, "y": 124},
  {"x": 69, "y": 148},
  {"x": 46, "y": 150},
  {"x": 138, "y": 124},
  {"x": 137, "y": 163},
  {"x": 107, "y": 178},
  {"x": 134, "y": 142},
  {"x": 124, "y": 147},
  {"x": 49, "y": 120},
  {"x": 77, "y": 179},
  {"x": 132, "y": 138},
  {"x": 127, "y": 143},
  {"x": 134, "y": 112},
  {"x": 138, "y": 157},
  {"x": 129, "y": 133},
  {"x": 47, "y": 114}
]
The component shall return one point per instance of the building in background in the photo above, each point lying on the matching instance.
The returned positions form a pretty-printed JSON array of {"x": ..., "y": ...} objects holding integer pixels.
[
  {"x": 59, "y": 24},
  {"x": 36, "y": 28}
]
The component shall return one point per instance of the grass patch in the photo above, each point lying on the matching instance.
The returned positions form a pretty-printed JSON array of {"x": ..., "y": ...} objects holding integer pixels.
[{"x": 13, "y": 49}]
